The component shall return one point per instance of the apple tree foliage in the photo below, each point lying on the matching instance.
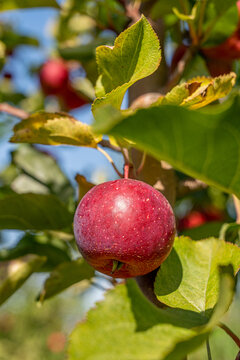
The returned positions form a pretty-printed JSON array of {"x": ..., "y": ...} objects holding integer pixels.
[{"x": 180, "y": 133}]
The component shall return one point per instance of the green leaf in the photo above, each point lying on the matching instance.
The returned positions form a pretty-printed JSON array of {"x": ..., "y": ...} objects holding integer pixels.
[
  {"x": 64, "y": 276},
  {"x": 135, "y": 55},
  {"x": 186, "y": 17},
  {"x": 55, "y": 252},
  {"x": 221, "y": 21},
  {"x": 22, "y": 4},
  {"x": 127, "y": 326},
  {"x": 161, "y": 8},
  {"x": 34, "y": 212},
  {"x": 204, "y": 231},
  {"x": 230, "y": 233},
  {"x": 203, "y": 144},
  {"x": 14, "y": 273},
  {"x": 40, "y": 168},
  {"x": 53, "y": 129},
  {"x": 189, "y": 278}
]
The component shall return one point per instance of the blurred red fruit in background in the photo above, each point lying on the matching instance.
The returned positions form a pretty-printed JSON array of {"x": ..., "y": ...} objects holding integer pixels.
[
  {"x": 197, "y": 218},
  {"x": 54, "y": 76},
  {"x": 54, "y": 79},
  {"x": 56, "y": 342}
]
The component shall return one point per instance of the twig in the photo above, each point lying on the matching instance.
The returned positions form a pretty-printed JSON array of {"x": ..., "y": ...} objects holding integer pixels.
[
  {"x": 208, "y": 350},
  {"x": 110, "y": 160},
  {"x": 201, "y": 17},
  {"x": 237, "y": 208},
  {"x": 133, "y": 11},
  {"x": 107, "y": 144},
  {"x": 188, "y": 186},
  {"x": 4, "y": 107},
  {"x": 190, "y": 25},
  {"x": 230, "y": 333},
  {"x": 176, "y": 76}
]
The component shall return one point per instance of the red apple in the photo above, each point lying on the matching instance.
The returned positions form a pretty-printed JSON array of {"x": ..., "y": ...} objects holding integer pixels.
[
  {"x": 54, "y": 76},
  {"x": 124, "y": 228}
]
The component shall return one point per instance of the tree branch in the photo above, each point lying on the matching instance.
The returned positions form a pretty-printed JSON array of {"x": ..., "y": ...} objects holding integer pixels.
[
  {"x": 230, "y": 333},
  {"x": 4, "y": 107},
  {"x": 107, "y": 144},
  {"x": 187, "y": 186},
  {"x": 176, "y": 76}
]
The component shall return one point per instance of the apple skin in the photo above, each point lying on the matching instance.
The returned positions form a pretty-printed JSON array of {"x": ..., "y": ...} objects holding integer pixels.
[{"x": 128, "y": 221}]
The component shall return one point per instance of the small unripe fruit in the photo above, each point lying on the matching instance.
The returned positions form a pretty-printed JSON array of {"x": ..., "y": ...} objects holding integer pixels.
[{"x": 124, "y": 228}]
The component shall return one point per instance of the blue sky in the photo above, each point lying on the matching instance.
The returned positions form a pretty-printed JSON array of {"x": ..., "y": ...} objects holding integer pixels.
[{"x": 36, "y": 22}]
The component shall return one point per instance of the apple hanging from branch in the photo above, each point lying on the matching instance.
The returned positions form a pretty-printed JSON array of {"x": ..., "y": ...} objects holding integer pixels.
[{"x": 124, "y": 228}]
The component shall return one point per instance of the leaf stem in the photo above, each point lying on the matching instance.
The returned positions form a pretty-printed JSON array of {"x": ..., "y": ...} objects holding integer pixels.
[
  {"x": 142, "y": 163},
  {"x": 238, "y": 356},
  {"x": 4, "y": 107},
  {"x": 110, "y": 160},
  {"x": 208, "y": 350},
  {"x": 234, "y": 337}
]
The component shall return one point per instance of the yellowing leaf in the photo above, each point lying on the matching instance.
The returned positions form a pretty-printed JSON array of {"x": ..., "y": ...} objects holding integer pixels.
[
  {"x": 210, "y": 89},
  {"x": 199, "y": 92},
  {"x": 53, "y": 129}
]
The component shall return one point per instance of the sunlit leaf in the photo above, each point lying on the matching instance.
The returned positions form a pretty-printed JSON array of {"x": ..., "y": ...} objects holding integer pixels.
[
  {"x": 189, "y": 278},
  {"x": 203, "y": 144},
  {"x": 127, "y": 326},
  {"x": 135, "y": 55},
  {"x": 53, "y": 129}
]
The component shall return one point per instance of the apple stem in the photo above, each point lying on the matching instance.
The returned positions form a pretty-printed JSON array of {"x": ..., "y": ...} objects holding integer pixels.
[
  {"x": 116, "y": 266},
  {"x": 126, "y": 171}
]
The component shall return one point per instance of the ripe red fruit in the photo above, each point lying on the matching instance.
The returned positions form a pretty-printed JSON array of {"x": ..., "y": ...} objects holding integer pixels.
[
  {"x": 125, "y": 225},
  {"x": 54, "y": 76}
]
